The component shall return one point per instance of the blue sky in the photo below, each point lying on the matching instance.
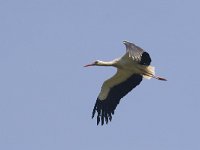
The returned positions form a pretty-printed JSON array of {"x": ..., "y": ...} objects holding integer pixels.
[{"x": 47, "y": 96}]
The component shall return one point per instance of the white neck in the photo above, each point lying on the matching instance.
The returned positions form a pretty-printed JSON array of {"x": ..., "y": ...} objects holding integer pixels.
[{"x": 108, "y": 63}]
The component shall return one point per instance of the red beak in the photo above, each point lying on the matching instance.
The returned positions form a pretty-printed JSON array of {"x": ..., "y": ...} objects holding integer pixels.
[{"x": 88, "y": 65}]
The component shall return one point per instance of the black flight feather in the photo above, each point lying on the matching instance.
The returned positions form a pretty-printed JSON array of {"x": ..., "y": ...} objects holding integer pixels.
[
  {"x": 105, "y": 108},
  {"x": 145, "y": 59}
]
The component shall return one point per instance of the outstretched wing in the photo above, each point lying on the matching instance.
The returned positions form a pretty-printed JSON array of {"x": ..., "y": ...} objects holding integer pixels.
[
  {"x": 112, "y": 91},
  {"x": 137, "y": 53}
]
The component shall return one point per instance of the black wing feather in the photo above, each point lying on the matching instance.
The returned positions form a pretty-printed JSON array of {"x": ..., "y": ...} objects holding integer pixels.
[
  {"x": 105, "y": 108},
  {"x": 138, "y": 54},
  {"x": 145, "y": 59}
]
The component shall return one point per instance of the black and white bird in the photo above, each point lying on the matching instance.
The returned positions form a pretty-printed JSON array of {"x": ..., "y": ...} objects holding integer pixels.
[{"x": 132, "y": 67}]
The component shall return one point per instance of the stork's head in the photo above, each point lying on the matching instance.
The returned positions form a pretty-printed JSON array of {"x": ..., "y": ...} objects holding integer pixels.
[{"x": 95, "y": 63}]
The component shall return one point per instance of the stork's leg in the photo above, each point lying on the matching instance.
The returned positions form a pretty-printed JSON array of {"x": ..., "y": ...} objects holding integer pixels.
[{"x": 159, "y": 78}]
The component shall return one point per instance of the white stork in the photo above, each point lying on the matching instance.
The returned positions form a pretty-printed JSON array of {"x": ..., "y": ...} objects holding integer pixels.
[{"x": 131, "y": 68}]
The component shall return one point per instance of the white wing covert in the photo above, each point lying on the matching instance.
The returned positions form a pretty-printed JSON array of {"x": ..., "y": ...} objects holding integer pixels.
[{"x": 137, "y": 53}]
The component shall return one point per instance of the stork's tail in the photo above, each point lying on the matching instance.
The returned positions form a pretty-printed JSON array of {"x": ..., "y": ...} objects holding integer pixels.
[{"x": 151, "y": 71}]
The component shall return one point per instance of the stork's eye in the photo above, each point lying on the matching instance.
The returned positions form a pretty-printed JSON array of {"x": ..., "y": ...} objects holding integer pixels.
[{"x": 96, "y": 62}]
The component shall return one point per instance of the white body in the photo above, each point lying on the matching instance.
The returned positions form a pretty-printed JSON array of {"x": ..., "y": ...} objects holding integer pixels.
[
  {"x": 131, "y": 68},
  {"x": 126, "y": 67}
]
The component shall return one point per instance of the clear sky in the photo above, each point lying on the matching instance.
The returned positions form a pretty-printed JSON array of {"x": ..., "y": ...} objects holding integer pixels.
[{"x": 47, "y": 96}]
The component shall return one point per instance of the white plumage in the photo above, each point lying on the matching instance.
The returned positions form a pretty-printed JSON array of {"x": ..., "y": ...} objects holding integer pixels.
[{"x": 131, "y": 68}]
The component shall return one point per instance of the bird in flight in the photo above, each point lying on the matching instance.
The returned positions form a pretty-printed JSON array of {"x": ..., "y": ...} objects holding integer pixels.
[{"x": 132, "y": 67}]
